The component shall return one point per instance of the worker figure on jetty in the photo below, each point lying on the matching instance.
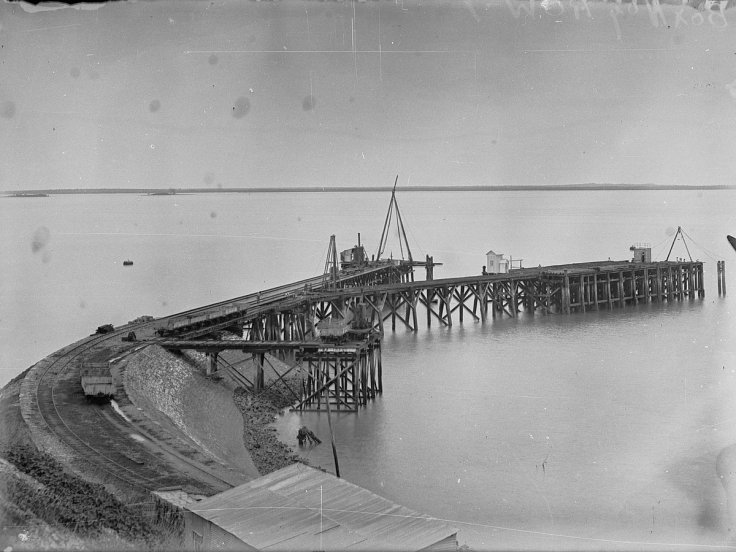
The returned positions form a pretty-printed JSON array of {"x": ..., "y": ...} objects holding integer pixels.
[{"x": 305, "y": 434}]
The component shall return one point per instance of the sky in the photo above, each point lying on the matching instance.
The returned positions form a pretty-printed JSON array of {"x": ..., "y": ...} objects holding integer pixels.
[{"x": 180, "y": 94}]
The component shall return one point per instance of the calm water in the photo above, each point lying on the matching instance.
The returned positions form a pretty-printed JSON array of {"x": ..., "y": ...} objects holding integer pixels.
[{"x": 585, "y": 431}]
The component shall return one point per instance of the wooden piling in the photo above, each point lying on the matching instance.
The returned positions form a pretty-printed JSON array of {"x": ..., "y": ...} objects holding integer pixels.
[
  {"x": 566, "y": 294},
  {"x": 595, "y": 291},
  {"x": 582, "y": 293},
  {"x": 483, "y": 301}
]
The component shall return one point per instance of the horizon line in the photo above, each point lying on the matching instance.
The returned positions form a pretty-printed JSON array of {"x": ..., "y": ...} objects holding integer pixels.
[{"x": 328, "y": 189}]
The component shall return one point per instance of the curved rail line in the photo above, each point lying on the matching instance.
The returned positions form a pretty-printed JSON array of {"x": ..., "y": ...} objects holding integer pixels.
[
  {"x": 126, "y": 469},
  {"x": 125, "y": 465}
]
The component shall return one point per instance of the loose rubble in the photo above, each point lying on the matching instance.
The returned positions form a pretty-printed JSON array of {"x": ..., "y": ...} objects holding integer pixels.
[{"x": 259, "y": 408}]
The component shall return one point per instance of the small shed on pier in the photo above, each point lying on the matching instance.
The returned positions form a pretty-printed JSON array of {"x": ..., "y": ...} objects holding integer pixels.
[
  {"x": 496, "y": 264},
  {"x": 642, "y": 253},
  {"x": 303, "y": 508}
]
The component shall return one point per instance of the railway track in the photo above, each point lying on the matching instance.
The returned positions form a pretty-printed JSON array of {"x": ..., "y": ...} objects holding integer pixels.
[
  {"x": 97, "y": 439},
  {"x": 96, "y": 435}
]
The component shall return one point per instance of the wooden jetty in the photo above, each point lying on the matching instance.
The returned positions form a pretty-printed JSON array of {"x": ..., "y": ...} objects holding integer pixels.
[
  {"x": 344, "y": 369},
  {"x": 329, "y": 328},
  {"x": 560, "y": 289}
]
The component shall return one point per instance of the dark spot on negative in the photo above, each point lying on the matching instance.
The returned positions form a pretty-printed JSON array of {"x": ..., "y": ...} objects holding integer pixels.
[
  {"x": 8, "y": 109},
  {"x": 241, "y": 107},
  {"x": 40, "y": 238},
  {"x": 308, "y": 103},
  {"x": 213, "y": 59},
  {"x": 75, "y": 72},
  {"x": 154, "y": 106},
  {"x": 213, "y": 215}
]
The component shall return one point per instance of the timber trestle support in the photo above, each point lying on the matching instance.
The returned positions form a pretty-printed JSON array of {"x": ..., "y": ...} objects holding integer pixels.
[
  {"x": 562, "y": 289},
  {"x": 345, "y": 370}
]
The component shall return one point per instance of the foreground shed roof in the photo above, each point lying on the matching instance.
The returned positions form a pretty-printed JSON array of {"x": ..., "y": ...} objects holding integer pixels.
[{"x": 302, "y": 508}]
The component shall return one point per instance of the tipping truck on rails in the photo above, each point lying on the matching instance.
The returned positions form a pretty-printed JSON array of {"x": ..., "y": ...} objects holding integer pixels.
[{"x": 97, "y": 381}]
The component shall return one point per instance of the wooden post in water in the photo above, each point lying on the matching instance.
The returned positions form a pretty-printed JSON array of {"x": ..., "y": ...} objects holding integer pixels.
[
  {"x": 429, "y": 295},
  {"x": 566, "y": 294},
  {"x": 372, "y": 364},
  {"x": 595, "y": 291},
  {"x": 723, "y": 275},
  {"x": 483, "y": 303},
  {"x": 377, "y": 351},
  {"x": 621, "y": 288},
  {"x": 634, "y": 291},
  {"x": 701, "y": 285},
  {"x": 494, "y": 299},
  {"x": 332, "y": 435}
]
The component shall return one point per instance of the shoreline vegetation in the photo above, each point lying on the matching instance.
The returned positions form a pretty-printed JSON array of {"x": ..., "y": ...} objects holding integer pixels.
[{"x": 378, "y": 189}]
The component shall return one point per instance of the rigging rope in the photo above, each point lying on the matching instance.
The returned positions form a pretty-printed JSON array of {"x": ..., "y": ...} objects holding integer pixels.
[{"x": 706, "y": 251}]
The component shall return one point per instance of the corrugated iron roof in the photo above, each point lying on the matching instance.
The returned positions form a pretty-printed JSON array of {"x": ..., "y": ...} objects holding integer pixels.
[{"x": 302, "y": 508}]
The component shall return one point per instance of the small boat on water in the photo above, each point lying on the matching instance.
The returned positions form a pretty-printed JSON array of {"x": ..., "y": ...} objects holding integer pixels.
[{"x": 127, "y": 262}]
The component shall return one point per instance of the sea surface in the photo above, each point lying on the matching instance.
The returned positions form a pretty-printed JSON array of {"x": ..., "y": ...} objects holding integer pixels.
[{"x": 588, "y": 431}]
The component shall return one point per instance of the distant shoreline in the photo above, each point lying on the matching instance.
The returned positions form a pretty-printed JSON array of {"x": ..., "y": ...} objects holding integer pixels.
[{"x": 382, "y": 189}]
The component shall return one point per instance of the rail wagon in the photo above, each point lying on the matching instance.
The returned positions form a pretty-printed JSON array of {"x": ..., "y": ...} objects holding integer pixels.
[{"x": 97, "y": 381}]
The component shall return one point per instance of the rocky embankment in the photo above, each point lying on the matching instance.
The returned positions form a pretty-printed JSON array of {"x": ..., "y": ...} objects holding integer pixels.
[
  {"x": 229, "y": 423},
  {"x": 268, "y": 453},
  {"x": 174, "y": 385}
]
